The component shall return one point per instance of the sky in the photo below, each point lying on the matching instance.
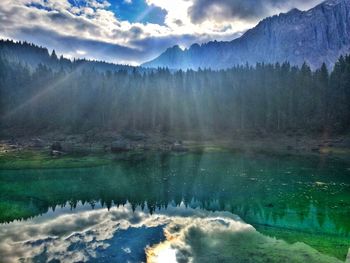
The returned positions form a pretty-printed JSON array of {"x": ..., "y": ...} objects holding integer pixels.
[{"x": 132, "y": 31}]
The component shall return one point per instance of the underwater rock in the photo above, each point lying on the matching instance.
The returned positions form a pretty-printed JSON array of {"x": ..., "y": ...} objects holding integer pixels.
[
  {"x": 178, "y": 147},
  {"x": 56, "y": 153},
  {"x": 56, "y": 146},
  {"x": 315, "y": 150},
  {"x": 120, "y": 146},
  {"x": 134, "y": 135},
  {"x": 37, "y": 143}
]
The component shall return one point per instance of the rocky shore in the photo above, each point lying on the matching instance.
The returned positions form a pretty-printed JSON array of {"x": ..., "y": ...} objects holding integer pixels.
[
  {"x": 138, "y": 141},
  {"x": 59, "y": 146}
]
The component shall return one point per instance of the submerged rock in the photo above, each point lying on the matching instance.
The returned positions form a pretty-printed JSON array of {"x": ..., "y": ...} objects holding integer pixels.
[
  {"x": 56, "y": 153},
  {"x": 134, "y": 135},
  {"x": 56, "y": 146},
  {"x": 37, "y": 143},
  {"x": 315, "y": 150},
  {"x": 290, "y": 148},
  {"x": 178, "y": 147},
  {"x": 120, "y": 146}
]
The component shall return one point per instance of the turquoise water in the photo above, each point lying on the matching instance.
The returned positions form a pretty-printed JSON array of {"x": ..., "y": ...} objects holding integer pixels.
[{"x": 203, "y": 207}]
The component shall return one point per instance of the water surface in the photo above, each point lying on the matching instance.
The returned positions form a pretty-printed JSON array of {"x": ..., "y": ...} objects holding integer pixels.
[{"x": 202, "y": 207}]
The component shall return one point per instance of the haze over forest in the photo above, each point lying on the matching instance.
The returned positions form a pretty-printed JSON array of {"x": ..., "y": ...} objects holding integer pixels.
[
  {"x": 289, "y": 73},
  {"x": 78, "y": 96}
]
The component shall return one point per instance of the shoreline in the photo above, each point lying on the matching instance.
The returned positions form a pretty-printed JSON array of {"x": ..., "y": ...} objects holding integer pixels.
[{"x": 81, "y": 150}]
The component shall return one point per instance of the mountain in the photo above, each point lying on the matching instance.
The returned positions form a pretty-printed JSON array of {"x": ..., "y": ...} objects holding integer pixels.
[
  {"x": 32, "y": 55},
  {"x": 318, "y": 35}
]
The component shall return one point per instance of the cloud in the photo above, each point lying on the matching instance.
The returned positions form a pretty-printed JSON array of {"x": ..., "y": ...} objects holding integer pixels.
[
  {"x": 98, "y": 4},
  {"x": 175, "y": 234},
  {"x": 68, "y": 28},
  {"x": 77, "y": 47},
  {"x": 94, "y": 26},
  {"x": 250, "y": 10},
  {"x": 94, "y": 29}
]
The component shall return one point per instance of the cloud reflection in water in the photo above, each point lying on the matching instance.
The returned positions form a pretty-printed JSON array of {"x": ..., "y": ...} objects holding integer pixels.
[{"x": 175, "y": 234}]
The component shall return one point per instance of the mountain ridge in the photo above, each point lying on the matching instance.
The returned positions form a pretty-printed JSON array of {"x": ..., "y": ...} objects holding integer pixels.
[
  {"x": 32, "y": 55},
  {"x": 320, "y": 34}
]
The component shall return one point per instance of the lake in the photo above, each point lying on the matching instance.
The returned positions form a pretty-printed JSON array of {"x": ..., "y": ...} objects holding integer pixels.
[{"x": 193, "y": 207}]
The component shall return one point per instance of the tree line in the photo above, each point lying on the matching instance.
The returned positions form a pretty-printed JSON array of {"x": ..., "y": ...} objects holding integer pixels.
[{"x": 263, "y": 98}]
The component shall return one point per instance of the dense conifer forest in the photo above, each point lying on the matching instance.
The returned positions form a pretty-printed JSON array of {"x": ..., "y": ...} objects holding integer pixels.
[{"x": 64, "y": 95}]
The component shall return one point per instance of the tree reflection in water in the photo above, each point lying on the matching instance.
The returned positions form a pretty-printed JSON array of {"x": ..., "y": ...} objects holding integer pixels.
[{"x": 295, "y": 199}]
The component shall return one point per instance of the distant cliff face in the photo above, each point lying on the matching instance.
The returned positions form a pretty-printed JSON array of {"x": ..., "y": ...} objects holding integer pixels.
[{"x": 318, "y": 35}]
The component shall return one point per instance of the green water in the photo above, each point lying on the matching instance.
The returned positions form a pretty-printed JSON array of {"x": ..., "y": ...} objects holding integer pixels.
[{"x": 259, "y": 209}]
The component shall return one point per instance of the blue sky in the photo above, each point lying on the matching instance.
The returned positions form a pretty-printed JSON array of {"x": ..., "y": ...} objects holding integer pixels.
[
  {"x": 138, "y": 11},
  {"x": 132, "y": 31},
  {"x": 132, "y": 10}
]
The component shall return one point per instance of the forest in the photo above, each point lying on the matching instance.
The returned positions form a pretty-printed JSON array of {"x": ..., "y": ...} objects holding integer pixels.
[{"x": 59, "y": 94}]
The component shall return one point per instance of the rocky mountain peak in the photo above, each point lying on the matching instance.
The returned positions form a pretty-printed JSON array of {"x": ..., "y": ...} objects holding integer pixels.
[{"x": 318, "y": 35}]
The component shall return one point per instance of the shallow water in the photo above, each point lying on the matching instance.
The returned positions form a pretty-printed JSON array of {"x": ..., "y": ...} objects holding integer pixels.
[{"x": 203, "y": 207}]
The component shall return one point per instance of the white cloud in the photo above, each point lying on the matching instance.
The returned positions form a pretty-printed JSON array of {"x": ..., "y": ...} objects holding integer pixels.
[
  {"x": 81, "y": 52},
  {"x": 179, "y": 21},
  {"x": 96, "y": 22},
  {"x": 97, "y": 4}
]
